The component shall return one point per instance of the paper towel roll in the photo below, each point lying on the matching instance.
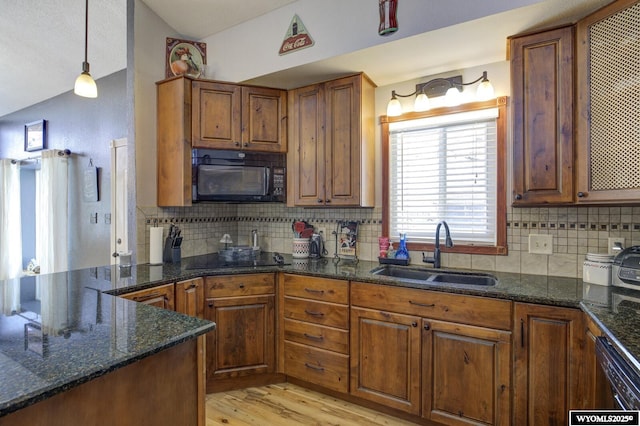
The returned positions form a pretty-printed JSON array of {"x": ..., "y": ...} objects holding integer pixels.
[{"x": 155, "y": 245}]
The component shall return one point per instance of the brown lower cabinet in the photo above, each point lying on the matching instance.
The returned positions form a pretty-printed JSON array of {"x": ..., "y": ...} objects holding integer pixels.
[
  {"x": 243, "y": 343},
  {"x": 550, "y": 364},
  {"x": 422, "y": 362},
  {"x": 190, "y": 297},
  {"x": 315, "y": 330},
  {"x": 162, "y": 296}
]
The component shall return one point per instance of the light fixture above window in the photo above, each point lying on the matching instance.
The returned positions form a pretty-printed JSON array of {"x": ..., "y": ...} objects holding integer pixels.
[
  {"x": 85, "y": 85},
  {"x": 449, "y": 87}
]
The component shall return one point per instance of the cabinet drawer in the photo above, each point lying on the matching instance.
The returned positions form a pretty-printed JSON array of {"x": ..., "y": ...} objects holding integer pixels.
[
  {"x": 324, "y": 289},
  {"x": 323, "y": 313},
  {"x": 324, "y": 368},
  {"x": 239, "y": 285},
  {"x": 473, "y": 310},
  {"x": 331, "y": 339}
]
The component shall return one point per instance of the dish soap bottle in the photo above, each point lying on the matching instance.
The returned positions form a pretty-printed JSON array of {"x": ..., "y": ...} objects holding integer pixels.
[{"x": 402, "y": 252}]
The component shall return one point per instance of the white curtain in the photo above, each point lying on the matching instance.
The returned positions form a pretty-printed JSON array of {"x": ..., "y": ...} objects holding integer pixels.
[
  {"x": 52, "y": 188},
  {"x": 10, "y": 237}
]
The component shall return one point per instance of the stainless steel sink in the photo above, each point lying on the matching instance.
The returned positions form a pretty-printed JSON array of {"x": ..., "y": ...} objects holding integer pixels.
[
  {"x": 427, "y": 276},
  {"x": 467, "y": 279},
  {"x": 402, "y": 272}
]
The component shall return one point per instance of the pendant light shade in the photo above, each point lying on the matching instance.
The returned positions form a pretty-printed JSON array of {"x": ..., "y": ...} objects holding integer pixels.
[{"x": 85, "y": 85}]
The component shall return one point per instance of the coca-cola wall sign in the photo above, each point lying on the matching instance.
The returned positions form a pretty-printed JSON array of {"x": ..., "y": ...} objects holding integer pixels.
[{"x": 296, "y": 37}]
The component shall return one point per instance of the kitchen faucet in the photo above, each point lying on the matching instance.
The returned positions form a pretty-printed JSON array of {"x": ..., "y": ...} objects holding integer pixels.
[{"x": 436, "y": 251}]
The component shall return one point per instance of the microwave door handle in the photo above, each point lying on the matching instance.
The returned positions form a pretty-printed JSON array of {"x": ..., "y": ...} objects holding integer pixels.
[{"x": 266, "y": 181}]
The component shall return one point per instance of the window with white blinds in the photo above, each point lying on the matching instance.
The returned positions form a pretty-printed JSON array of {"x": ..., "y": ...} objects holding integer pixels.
[{"x": 444, "y": 168}]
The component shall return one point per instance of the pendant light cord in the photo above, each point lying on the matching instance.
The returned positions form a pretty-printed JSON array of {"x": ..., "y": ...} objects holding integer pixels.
[{"x": 86, "y": 29}]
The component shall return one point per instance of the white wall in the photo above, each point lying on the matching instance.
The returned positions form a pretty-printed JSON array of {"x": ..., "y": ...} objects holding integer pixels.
[
  {"x": 150, "y": 33},
  {"x": 250, "y": 50}
]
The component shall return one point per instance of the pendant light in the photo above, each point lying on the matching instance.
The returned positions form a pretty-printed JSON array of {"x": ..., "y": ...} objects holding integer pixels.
[{"x": 85, "y": 85}]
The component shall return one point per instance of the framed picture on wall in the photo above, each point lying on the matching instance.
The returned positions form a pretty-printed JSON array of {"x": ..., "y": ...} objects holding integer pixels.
[
  {"x": 185, "y": 57},
  {"x": 35, "y": 135}
]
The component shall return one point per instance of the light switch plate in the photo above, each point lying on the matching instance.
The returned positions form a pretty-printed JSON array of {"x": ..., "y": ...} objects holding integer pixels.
[{"x": 540, "y": 244}]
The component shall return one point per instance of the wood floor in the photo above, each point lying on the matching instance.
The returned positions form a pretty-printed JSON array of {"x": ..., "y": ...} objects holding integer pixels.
[{"x": 286, "y": 404}]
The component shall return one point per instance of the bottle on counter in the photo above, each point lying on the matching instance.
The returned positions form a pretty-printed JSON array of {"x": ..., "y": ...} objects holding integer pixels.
[{"x": 402, "y": 252}]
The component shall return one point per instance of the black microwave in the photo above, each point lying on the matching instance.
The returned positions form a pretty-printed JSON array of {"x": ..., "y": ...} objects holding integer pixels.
[{"x": 237, "y": 176}]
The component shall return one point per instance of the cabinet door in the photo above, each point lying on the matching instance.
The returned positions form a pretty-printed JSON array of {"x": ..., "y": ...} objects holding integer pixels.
[
  {"x": 549, "y": 364},
  {"x": 598, "y": 388},
  {"x": 607, "y": 125},
  {"x": 542, "y": 91},
  {"x": 190, "y": 297},
  {"x": 216, "y": 115},
  {"x": 243, "y": 342},
  {"x": 160, "y": 296},
  {"x": 466, "y": 374},
  {"x": 385, "y": 358},
  {"x": 264, "y": 125},
  {"x": 305, "y": 175},
  {"x": 342, "y": 141}
]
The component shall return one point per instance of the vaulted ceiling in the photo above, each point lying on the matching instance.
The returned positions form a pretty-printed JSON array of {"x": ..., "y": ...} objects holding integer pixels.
[{"x": 44, "y": 41}]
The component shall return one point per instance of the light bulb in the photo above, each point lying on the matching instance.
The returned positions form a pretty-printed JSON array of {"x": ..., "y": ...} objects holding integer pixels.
[
  {"x": 485, "y": 91},
  {"x": 394, "y": 108},
  {"x": 453, "y": 97},
  {"x": 421, "y": 103},
  {"x": 85, "y": 86}
]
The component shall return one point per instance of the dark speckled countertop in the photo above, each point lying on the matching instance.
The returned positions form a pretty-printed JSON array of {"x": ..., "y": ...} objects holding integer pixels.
[
  {"x": 67, "y": 331},
  {"x": 94, "y": 333}
]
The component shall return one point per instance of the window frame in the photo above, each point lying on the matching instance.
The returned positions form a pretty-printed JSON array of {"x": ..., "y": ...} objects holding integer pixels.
[{"x": 501, "y": 166}]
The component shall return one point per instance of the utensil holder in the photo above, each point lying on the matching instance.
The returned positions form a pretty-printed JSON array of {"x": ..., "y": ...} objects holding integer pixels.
[{"x": 300, "y": 248}]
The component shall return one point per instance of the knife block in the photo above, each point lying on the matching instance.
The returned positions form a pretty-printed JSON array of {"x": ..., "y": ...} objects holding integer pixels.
[{"x": 171, "y": 254}]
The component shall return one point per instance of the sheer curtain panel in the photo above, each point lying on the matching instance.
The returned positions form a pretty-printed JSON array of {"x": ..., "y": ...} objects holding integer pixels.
[{"x": 10, "y": 237}]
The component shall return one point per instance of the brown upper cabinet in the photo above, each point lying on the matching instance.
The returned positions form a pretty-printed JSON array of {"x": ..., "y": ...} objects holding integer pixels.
[
  {"x": 210, "y": 114},
  {"x": 587, "y": 155},
  {"x": 608, "y": 104},
  {"x": 542, "y": 68},
  {"x": 331, "y": 154},
  {"x": 229, "y": 116}
]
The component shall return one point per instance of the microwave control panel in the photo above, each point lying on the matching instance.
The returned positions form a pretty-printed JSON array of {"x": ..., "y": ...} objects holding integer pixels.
[{"x": 278, "y": 181}]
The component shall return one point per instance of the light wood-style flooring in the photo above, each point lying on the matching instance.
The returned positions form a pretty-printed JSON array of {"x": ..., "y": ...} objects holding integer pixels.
[{"x": 287, "y": 404}]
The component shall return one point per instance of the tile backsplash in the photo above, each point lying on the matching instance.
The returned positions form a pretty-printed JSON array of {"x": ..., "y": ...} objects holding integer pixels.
[{"x": 576, "y": 231}]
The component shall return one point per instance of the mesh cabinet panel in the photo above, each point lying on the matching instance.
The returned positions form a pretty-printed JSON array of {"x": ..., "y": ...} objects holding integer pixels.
[{"x": 615, "y": 100}]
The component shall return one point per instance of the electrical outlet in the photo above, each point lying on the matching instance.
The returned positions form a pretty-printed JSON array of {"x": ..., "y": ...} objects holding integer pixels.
[
  {"x": 612, "y": 243},
  {"x": 540, "y": 244},
  {"x": 93, "y": 218}
]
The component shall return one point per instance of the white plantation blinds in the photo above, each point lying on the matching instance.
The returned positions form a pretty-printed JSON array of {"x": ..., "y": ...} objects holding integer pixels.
[{"x": 444, "y": 168}]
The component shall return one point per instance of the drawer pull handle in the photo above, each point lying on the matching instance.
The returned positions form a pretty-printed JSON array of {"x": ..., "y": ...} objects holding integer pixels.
[
  {"x": 313, "y": 367},
  {"x": 312, "y": 337},
  {"x": 241, "y": 286},
  {"x": 313, "y": 290},
  {"x": 312, "y": 313},
  {"x": 424, "y": 305},
  {"x": 147, "y": 296}
]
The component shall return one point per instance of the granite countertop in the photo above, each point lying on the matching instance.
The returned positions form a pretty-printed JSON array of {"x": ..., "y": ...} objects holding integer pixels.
[
  {"x": 93, "y": 332},
  {"x": 69, "y": 331}
]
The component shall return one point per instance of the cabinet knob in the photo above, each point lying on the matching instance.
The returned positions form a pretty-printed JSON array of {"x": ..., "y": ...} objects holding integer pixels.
[
  {"x": 581, "y": 195},
  {"x": 414, "y": 324},
  {"x": 427, "y": 326},
  {"x": 319, "y": 200},
  {"x": 236, "y": 143},
  {"x": 327, "y": 201},
  {"x": 246, "y": 144},
  {"x": 518, "y": 196}
]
